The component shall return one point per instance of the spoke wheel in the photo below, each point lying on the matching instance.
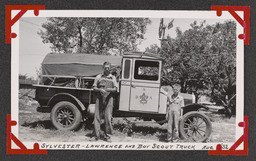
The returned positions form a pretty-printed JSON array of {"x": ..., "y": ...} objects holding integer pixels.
[
  {"x": 65, "y": 116},
  {"x": 195, "y": 125}
]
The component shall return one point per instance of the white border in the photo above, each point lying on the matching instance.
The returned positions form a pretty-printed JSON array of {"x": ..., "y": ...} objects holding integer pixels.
[{"x": 130, "y": 13}]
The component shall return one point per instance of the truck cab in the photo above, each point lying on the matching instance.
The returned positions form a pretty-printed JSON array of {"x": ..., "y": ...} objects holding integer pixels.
[
  {"x": 140, "y": 88},
  {"x": 140, "y": 84}
]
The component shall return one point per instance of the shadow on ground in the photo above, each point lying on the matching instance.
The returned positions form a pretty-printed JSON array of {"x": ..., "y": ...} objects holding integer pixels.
[
  {"x": 133, "y": 129},
  {"x": 46, "y": 124},
  {"x": 148, "y": 130}
]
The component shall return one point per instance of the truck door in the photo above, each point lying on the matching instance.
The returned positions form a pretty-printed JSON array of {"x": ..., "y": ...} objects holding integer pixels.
[
  {"x": 125, "y": 87},
  {"x": 145, "y": 85}
]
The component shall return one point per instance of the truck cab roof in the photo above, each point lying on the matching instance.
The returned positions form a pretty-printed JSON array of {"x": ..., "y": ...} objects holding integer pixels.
[{"x": 143, "y": 55}]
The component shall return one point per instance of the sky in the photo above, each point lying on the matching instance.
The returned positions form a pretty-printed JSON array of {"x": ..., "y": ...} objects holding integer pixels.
[{"x": 32, "y": 50}]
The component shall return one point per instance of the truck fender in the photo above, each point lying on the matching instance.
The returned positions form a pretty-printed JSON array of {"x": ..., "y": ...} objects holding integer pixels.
[
  {"x": 65, "y": 97},
  {"x": 193, "y": 107}
]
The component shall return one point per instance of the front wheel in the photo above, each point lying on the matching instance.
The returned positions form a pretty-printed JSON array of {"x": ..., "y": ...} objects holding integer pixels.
[
  {"x": 66, "y": 116},
  {"x": 195, "y": 125}
]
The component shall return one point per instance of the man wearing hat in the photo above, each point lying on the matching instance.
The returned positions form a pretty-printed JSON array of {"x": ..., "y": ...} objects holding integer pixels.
[{"x": 105, "y": 85}]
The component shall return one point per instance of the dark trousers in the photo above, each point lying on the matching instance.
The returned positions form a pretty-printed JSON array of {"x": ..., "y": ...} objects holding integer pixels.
[{"x": 103, "y": 110}]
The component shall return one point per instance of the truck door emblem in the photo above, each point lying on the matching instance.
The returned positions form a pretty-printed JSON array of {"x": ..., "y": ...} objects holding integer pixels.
[{"x": 143, "y": 99}]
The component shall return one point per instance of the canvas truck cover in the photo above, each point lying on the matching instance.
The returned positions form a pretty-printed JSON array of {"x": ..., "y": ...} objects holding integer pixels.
[{"x": 82, "y": 65}]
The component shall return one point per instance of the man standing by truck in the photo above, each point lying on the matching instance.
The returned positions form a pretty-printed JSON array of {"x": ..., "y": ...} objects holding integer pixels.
[
  {"x": 105, "y": 85},
  {"x": 174, "y": 113}
]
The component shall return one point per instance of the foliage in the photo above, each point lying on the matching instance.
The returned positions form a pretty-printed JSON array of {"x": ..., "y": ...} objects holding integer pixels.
[
  {"x": 94, "y": 35},
  {"x": 153, "y": 49},
  {"x": 25, "y": 77},
  {"x": 202, "y": 59}
]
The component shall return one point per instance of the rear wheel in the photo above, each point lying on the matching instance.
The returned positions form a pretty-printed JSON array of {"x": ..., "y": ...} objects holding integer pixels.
[
  {"x": 66, "y": 116},
  {"x": 195, "y": 125}
]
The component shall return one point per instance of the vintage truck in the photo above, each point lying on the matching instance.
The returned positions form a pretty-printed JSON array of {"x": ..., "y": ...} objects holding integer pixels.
[{"x": 65, "y": 91}]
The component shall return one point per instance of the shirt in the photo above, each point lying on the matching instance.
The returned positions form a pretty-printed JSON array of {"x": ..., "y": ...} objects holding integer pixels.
[
  {"x": 102, "y": 81},
  {"x": 175, "y": 104}
]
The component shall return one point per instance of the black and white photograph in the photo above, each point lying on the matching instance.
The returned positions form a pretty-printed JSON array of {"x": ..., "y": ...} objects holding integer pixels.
[{"x": 122, "y": 80}]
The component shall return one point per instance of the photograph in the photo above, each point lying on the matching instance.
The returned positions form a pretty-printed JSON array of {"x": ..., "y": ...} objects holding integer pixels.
[{"x": 154, "y": 80}]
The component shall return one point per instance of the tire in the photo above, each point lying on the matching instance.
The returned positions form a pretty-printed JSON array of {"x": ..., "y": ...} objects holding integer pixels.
[
  {"x": 196, "y": 126},
  {"x": 66, "y": 116}
]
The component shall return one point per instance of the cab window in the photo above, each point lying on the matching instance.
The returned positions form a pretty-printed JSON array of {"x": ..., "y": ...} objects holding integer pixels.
[
  {"x": 127, "y": 65},
  {"x": 146, "y": 70}
]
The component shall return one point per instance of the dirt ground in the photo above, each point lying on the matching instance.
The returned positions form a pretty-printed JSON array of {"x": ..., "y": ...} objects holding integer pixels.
[{"x": 37, "y": 127}]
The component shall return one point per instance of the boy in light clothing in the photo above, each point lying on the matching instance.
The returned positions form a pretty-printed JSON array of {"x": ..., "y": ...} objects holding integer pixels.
[{"x": 174, "y": 113}]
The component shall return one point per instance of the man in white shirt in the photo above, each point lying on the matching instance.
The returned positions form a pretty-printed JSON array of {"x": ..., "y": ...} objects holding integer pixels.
[{"x": 174, "y": 113}]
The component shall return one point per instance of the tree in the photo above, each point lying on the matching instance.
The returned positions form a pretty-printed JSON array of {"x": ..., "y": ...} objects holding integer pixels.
[
  {"x": 202, "y": 60},
  {"x": 223, "y": 78},
  {"x": 94, "y": 35},
  {"x": 153, "y": 49}
]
